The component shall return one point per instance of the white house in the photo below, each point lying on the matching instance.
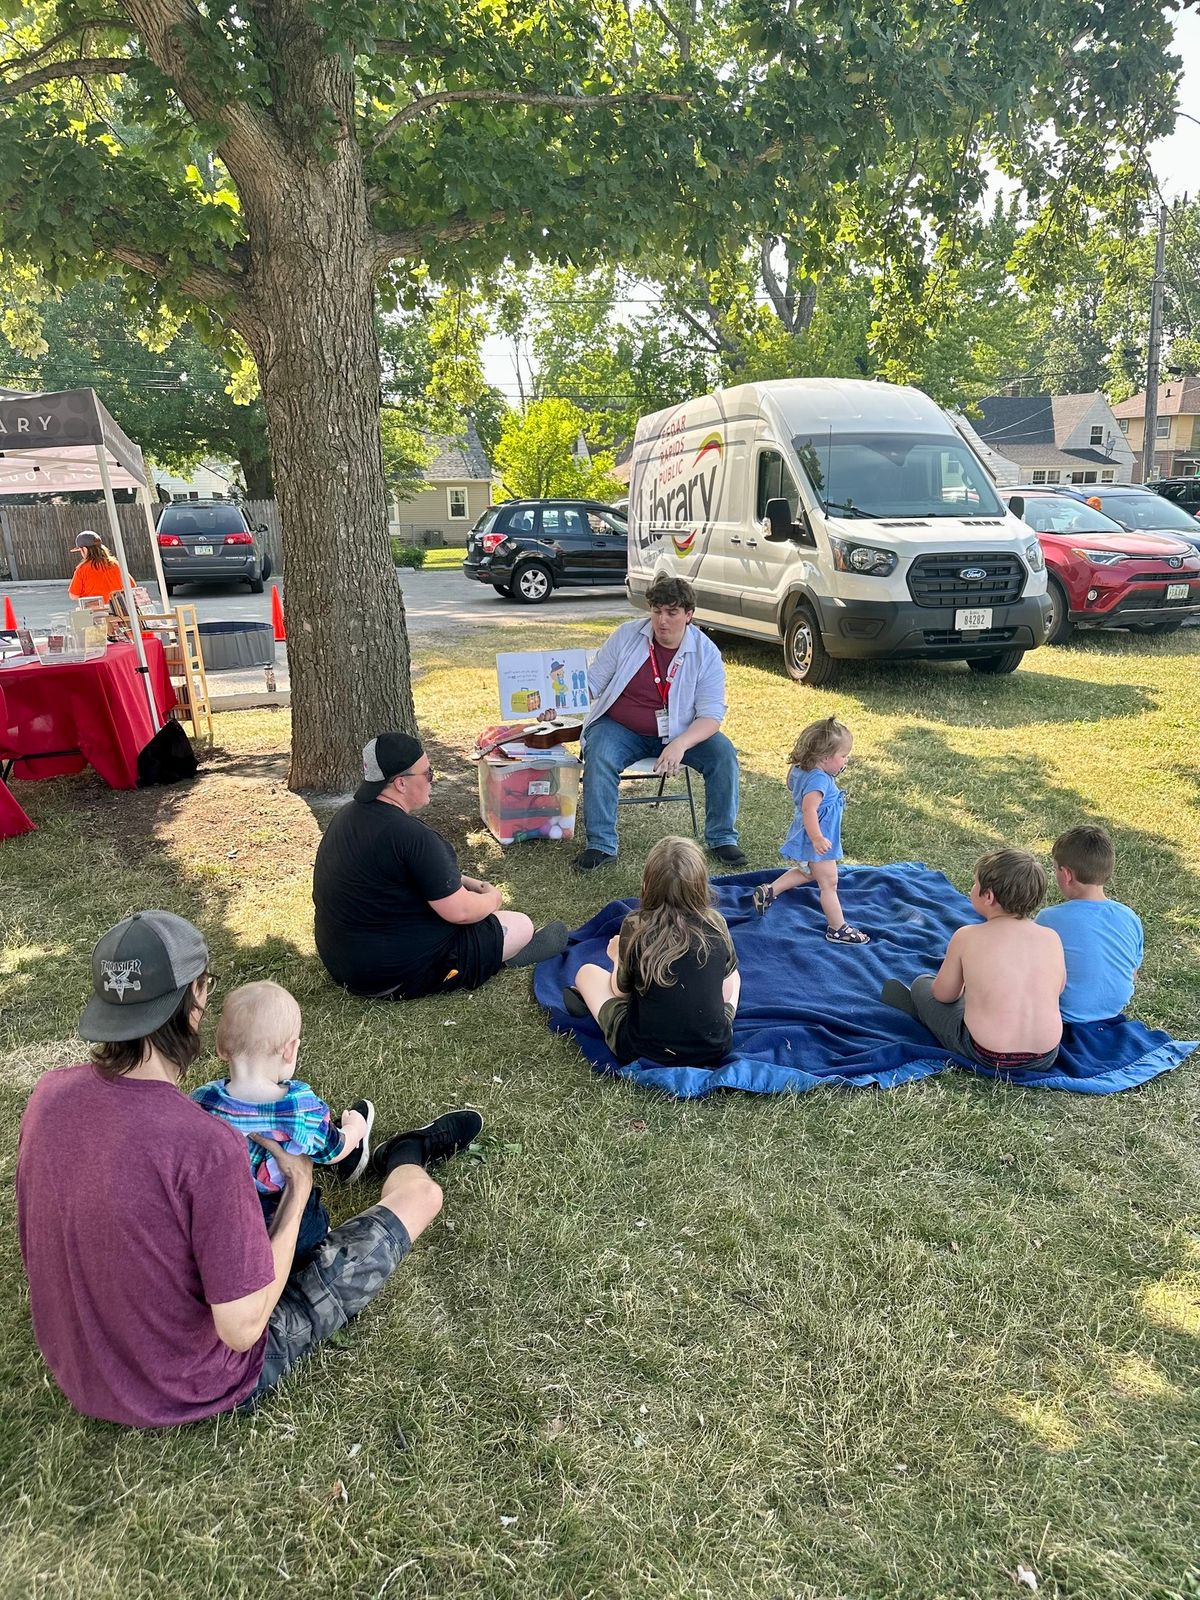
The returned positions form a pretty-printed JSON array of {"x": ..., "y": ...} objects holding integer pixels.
[{"x": 1050, "y": 439}]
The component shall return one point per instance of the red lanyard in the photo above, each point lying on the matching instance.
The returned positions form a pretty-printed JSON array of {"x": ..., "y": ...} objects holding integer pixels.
[{"x": 662, "y": 685}]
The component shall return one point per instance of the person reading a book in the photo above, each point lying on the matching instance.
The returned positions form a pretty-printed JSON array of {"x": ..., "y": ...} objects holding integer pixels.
[
  {"x": 395, "y": 917},
  {"x": 658, "y": 689}
]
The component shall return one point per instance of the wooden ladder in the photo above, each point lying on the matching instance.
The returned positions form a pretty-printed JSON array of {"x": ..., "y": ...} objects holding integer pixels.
[{"x": 180, "y": 637}]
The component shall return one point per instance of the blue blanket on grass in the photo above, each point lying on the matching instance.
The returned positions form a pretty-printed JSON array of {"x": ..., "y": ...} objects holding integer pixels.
[{"x": 810, "y": 1011}]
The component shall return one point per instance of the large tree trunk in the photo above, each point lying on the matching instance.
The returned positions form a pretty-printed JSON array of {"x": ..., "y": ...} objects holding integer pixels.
[{"x": 313, "y": 336}]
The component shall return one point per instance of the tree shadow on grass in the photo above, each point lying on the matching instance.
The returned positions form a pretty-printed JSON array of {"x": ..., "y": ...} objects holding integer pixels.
[{"x": 960, "y": 697}]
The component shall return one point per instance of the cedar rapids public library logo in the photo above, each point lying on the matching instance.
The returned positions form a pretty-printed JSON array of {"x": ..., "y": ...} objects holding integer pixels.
[{"x": 679, "y": 499}]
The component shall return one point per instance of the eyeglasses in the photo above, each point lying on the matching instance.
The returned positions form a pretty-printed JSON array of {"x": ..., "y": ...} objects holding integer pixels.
[
  {"x": 210, "y": 981},
  {"x": 428, "y": 773}
]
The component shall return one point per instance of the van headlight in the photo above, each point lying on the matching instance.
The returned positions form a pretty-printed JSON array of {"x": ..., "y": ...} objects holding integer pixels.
[
  {"x": 1034, "y": 556},
  {"x": 867, "y": 559}
]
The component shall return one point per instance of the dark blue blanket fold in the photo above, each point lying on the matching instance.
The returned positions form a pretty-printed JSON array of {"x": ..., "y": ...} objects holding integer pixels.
[{"x": 810, "y": 1011}]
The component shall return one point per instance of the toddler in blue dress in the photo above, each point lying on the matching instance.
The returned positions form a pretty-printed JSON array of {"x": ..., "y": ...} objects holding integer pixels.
[{"x": 815, "y": 840}]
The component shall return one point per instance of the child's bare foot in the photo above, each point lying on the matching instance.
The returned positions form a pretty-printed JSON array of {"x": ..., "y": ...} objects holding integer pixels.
[{"x": 764, "y": 898}]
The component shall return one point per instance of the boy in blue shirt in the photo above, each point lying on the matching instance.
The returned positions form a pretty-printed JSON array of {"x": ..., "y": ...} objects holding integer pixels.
[{"x": 1101, "y": 938}]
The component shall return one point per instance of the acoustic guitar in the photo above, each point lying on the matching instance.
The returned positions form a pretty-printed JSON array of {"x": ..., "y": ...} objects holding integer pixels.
[{"x": 535, "y": 735}]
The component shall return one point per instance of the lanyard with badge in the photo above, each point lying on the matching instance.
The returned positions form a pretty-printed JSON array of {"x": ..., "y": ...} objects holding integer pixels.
[{"x": 662, "y": 716}]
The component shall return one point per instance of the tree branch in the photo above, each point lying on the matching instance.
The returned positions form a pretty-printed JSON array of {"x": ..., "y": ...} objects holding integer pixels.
[
  {"x": 391, "y": 246},
  {"x": 86, "y": 67},
  {"x": 516, "y": 97},
  {"x": 84, "y": 25},
  {"x": 209, "y": 284}
]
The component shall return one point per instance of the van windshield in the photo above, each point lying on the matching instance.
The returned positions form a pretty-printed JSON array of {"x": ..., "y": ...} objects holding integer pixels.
[{"x": 896, "y": 475}]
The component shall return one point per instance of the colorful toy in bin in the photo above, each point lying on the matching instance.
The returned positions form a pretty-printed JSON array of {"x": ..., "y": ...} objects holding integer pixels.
[{"x": 537, "y": 799}]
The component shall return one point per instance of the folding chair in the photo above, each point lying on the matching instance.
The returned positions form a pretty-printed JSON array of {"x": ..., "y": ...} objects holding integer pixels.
[{"x": 639, "y": 771}]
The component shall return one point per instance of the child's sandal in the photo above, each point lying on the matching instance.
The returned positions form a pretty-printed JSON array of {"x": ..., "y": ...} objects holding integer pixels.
[
  {"x": 847, "y": 935},
  {"x": 764, "y": 897}
]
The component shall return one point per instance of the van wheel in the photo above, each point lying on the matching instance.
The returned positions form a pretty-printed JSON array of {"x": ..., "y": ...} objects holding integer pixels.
[
  {"x": 504, "y": 590},
  {"x": 1061, "y": 627},
  {"x": 533, "y": 583},
  {"x": 1004, "y": 661},
  {"x": 804, "y": 654},
  {"x": 256, "y": 585}
]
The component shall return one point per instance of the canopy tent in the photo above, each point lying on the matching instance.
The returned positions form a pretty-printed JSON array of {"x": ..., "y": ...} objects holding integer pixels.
[{"x": 60, "y": 442}]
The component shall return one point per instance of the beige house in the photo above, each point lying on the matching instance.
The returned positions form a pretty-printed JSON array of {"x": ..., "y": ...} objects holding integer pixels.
[
  {"x": 457, "y": 490},
  {"x": 1177, "y": 433}
]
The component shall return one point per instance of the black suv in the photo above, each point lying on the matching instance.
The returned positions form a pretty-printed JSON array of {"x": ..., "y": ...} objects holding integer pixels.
[
  {"x": 527, "y": 548},
  {"x": 1184, "y": 492},
  {"x": 210, "y": 541}
]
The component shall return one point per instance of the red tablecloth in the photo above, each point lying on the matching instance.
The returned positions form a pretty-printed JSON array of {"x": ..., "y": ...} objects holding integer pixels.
[
  {"x": 97, "y": 708},
  {"x": 12, "y": 819}
]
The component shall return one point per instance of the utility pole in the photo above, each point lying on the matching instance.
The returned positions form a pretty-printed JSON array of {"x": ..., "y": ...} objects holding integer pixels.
[{"x": 1154, "y": 353}]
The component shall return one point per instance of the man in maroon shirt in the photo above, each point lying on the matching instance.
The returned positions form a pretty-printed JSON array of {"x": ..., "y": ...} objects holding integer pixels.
[{"x": 157, "y": 1294}]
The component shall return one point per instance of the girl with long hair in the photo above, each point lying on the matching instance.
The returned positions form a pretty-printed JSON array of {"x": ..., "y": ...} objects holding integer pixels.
[
  {"x": 98, "y": 575},
  {"x": 672, "y": 991}
]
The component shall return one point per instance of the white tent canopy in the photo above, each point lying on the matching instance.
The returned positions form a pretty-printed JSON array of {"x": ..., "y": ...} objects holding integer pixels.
[{"x": 66, "y": 441}]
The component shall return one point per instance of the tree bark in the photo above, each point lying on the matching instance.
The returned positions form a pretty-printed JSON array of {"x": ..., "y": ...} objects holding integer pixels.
[{"x": 311, "y": 328}]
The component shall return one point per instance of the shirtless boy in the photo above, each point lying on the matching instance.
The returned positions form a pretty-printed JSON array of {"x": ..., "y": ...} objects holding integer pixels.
[{"x": 995, "y": 997}]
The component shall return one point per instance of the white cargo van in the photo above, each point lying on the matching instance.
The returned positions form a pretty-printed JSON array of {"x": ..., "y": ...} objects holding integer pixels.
[{"x": 845, "y": 518}]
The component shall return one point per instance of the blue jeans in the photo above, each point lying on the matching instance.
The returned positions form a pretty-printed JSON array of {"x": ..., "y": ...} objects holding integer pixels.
[{"x": 608, "y": 748}]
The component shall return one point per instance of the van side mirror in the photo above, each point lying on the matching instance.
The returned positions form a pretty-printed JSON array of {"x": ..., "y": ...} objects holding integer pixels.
[
  {"x": 781, "y": 528},
  {"x": 1016, "y": 505}
]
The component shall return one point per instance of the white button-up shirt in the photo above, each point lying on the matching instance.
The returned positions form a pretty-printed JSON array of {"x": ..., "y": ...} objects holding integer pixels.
[{"x": 697, "y": 674}]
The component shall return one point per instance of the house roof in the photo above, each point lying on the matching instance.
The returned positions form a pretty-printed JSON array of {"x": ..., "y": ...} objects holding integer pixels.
[
  {"x": 1047, "y": 455},
  {"x": 1031, "y": 419},
  {"x": 1178, "y": 397},
  {"x": 460, "y": 456}
]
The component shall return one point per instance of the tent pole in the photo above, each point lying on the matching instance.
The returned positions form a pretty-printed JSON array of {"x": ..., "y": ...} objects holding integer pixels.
[
  {"x": 135, "y": 625},
  {"x": 143, "y": 495}
]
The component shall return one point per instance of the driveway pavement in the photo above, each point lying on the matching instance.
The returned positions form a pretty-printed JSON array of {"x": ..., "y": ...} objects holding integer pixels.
[{"x": 434, "y": 602}]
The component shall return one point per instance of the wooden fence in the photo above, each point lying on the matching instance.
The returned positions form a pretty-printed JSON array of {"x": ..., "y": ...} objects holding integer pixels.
[{"x": 36, "y": 541}]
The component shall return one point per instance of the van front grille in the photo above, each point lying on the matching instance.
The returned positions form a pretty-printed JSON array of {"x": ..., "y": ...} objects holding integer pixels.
[{"x": 937, "y": 580}]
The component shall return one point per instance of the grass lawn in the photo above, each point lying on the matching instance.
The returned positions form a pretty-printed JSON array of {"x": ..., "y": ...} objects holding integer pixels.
[
  {"x": 447, "y": 560},
  {"x": 839, "y": 1348}
]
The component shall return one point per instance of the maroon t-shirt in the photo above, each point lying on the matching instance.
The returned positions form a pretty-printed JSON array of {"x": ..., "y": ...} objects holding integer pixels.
[
  {"x": 137, "y": 1213},
  {"x": 639, "y": 702}
]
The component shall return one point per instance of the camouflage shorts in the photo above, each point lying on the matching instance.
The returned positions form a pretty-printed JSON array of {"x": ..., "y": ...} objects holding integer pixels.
[{"x": 346, "y": 1273}]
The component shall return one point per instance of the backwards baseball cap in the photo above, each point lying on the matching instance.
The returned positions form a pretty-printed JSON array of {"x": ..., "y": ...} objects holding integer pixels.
[
  {"x": 141, "y": 970},
  {"x": 88, "y": 537},
  {"x": 384, "y": 758}
]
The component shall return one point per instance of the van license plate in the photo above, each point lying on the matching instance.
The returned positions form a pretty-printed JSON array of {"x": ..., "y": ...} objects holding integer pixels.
[
  {"x": 1177, "y": 591},
  {"x": 973, "y": 621},
  {"x": 202, "y": 550}
]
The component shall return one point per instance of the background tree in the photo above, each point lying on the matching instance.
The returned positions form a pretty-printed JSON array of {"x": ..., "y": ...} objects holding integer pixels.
[
  {"x": 539, "y": 456},
  {"x": 270, "y": 164},
  {"x": 166, "y": 387}
]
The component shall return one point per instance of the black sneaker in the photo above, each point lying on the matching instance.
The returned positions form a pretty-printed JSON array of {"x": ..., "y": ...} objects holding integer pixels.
[
  {"x": 445, "y": 1136},
  {"x": 732, "y": 855},
  {"x": 351, "y": 1167},
  {"x": 589, "y": 860}
]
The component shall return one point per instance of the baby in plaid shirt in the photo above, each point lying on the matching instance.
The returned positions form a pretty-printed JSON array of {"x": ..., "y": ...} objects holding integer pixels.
[{"x": 258, "y": 1039}]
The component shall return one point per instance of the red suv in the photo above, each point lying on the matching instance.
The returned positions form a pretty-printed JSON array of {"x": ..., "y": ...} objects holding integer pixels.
[{"x": 1103, "y": 575}]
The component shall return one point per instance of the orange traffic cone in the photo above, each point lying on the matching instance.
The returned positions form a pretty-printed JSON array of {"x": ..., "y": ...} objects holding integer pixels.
[
  {"x": 10, "y": 616},
  {"x": 277, "y": 616}
]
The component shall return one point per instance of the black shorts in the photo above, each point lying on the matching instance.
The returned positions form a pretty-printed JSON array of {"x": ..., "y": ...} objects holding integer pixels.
[{"x": 475, "y": 954}]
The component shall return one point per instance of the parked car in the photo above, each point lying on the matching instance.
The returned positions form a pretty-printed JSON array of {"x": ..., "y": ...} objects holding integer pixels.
[
  {"x": 1104, "y": 575},
  {"x": 1183, "y": 492},
  {"x": 528, "y": 548},
  {"x": 210, "y": 541},
  {"x": 1142, "y": 509}
]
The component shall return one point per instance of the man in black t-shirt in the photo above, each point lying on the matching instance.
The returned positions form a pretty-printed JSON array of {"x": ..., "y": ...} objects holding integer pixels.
[{"x": 395, "y": 918}]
